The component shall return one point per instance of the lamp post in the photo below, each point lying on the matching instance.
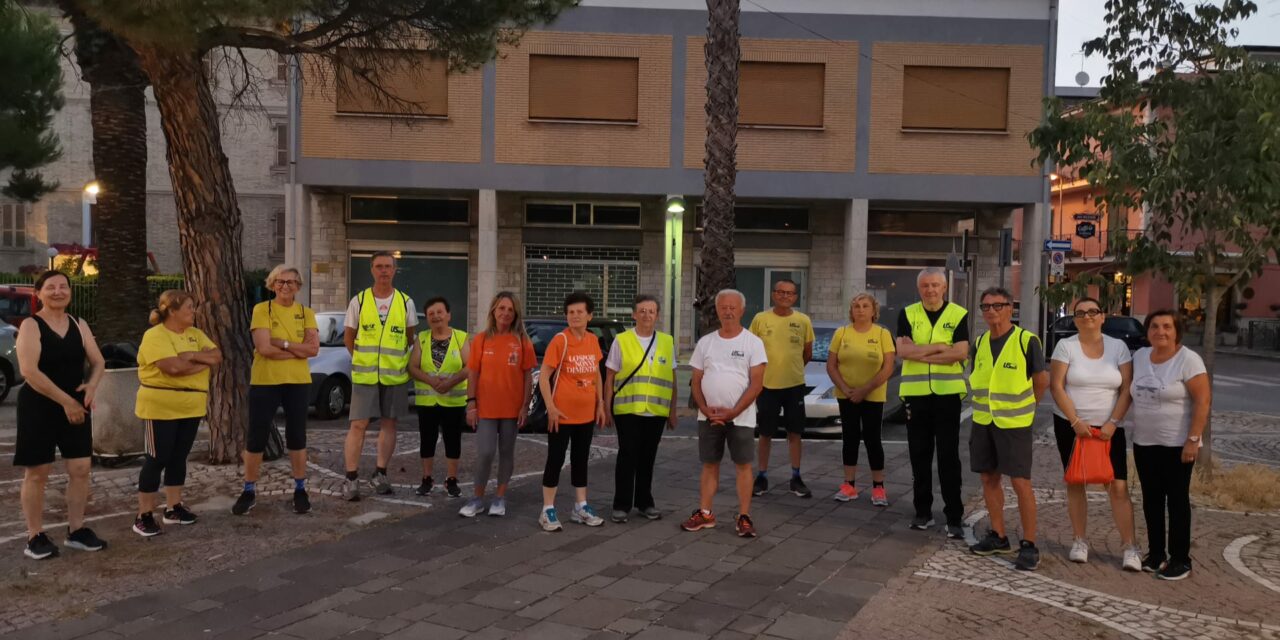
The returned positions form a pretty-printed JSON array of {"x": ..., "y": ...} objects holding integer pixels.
[
  {"x": 673, "y": 260},
  {"x": 52, "y": 253},
  {"x": 88, "y": 197}
]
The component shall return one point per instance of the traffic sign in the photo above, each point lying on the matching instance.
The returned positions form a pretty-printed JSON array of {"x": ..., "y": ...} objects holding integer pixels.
[
  {"x": 1057, "y": 245},
  {"x": 1057, "y": 263},
  {"x": 1086, "y": 230}
]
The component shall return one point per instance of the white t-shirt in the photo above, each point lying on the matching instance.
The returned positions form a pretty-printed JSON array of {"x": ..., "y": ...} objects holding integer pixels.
[
  {"x": 1093, "y": 385},
  {"x": 1161, "y": 413},
  {"x": 384, "y": 305},
  {"x": 726, "y": 371}
]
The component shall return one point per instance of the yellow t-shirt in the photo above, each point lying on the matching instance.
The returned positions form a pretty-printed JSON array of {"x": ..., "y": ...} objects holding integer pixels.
[
  {"x": 154, "y": 402},
  {"x": 784, "y": 338},
  {"x": 861, "y": 355},
  {"x": 285, "y": 323}
]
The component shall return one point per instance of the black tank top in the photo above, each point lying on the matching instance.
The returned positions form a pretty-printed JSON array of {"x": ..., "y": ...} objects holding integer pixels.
[{"x": 62, "y": 357}]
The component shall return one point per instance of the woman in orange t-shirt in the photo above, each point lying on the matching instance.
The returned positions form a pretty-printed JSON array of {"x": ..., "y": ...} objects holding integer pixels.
[
  {"x": 499, "y": 383},
  {"x": 575, "y": 406}
]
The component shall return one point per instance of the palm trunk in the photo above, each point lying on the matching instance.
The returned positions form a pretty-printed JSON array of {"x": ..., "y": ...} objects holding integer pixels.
[
  {"x": 117, "y": 110},
  {"x": 209, "y": 232},
  {"x": 722, "y": 51}
]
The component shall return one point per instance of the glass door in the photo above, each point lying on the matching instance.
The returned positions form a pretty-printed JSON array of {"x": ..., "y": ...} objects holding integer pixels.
[{"x": 422, "y": 276}]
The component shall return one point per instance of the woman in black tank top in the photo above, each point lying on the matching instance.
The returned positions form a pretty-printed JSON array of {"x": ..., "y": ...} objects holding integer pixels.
[{"x": 53, "y": 412}]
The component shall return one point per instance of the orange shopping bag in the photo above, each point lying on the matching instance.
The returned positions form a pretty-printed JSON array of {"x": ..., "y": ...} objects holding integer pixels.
[{"x": 1090, "y": 461}]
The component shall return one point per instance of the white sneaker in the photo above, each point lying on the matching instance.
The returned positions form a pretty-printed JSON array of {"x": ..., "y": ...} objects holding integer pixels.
[
  {"x": 1132, "y": 560},
  {"x": 498, "y": 507},
  {"x": 1079, "y": 551},
  {"x": 351, "y": 490},
  {"x": 548, "y": 520},
  {"x": 471, "y": 508},
  {"x": 586, "y": 515}
]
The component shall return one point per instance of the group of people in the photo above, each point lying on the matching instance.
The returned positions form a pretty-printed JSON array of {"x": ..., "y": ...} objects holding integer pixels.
[{"x": 747, "y": 384}]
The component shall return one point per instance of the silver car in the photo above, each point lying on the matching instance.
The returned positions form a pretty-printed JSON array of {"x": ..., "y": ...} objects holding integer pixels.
[
  {"x": 820, "y": 400},
  {"x": 10, "y": 374}
]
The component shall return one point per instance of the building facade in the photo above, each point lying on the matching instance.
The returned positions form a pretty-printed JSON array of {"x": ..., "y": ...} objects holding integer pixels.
[{"x": 876, "y": 138}]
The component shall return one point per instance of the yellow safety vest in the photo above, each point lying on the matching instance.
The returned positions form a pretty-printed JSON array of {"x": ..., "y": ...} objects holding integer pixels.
[
  {"x": 424, "y": 395},
  {"x": 920, "y": 379},
  {"x": 381, "y": 354},
  {"x": 1002, "y": 391},
  {"x": 650, "y": 389}
]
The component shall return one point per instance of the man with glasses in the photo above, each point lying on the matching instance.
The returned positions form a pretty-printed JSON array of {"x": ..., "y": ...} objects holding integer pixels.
[
  {"x": 788, "y": 342},
  {"x": 933, "y": 342},
  {"x": 1009, "y": 378}
]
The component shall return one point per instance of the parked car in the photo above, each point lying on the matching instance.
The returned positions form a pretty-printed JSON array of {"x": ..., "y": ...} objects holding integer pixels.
[
  {"x": 541, "y": 331},
  {"x": 820, "y": 405},
  {"x": 1124, "y": 328},
  {"x": 10, "y": 374},
  {"x": 17, "y": 303}
]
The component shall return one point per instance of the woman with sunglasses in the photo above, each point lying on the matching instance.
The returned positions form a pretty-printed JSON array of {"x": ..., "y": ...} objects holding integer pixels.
[
  {"x": 284, "y": 336},
  {"x": 1089, "y": 376}
]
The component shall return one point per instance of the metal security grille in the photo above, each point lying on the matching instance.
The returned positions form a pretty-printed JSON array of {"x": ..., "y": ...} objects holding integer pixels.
[{"x": 610, "y": 275}]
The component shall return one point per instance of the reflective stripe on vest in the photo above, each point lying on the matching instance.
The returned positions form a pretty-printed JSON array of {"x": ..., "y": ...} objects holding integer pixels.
[
  {"x": 381, "y": 353},
  {"x": 920, "y": 379},
  {"x": 651, "y": 389},
  {"x": 424, "y": 395},
  {"x": 1002, "y": 391}
]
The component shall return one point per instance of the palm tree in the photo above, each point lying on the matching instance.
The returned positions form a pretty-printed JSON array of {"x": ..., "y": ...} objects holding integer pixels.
[
  {"x": 117, "y": 110},
  {"x": 722, "y": 51}
]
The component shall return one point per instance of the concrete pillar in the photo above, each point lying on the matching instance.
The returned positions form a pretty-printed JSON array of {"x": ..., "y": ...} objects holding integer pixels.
[
  {"x": 486, "y": 251},
  {"x": 297, "y": 245},
  {"x": 855, "y": 250},
  {"x": 1034, "y": 229}
]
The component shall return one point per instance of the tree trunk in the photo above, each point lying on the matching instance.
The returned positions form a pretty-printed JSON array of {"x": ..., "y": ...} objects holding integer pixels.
[
  {"x": 117, "y": 109},
  {"x": 209, "y": 232},
  {"x": 715, "y": 269}
]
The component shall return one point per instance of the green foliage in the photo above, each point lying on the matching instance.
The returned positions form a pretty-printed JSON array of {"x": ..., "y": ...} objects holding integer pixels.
[
  {"x": 32, "y": 92},
  {"x": 1185, "y": 131}
]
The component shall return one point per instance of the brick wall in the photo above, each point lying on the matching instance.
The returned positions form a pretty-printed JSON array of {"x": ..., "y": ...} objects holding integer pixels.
[
  {"x": 643, "y": 144},
  {"x": 329, "y": 259},
  {"x": 1000, "y": 154},
  {"x": 830, "y": 149}
]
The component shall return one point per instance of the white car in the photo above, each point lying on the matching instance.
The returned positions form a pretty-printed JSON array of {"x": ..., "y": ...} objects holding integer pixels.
[
  {"x": 820, "y": 400},
  {"x": 331, "y": 367}
]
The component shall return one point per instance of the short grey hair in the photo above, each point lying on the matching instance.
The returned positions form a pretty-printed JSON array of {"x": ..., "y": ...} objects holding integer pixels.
[
  {"x": 731, "y": 292},
  {"x": 931, "y": 271}
]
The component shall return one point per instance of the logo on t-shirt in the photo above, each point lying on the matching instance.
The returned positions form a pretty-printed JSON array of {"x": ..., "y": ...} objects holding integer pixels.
[{"x": 737, "y": 353}]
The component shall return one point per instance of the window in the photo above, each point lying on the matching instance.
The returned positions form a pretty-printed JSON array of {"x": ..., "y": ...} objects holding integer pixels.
[
  {"x": 583, "y": 88},
  {"x": 780, "y": 94},
  {"x": 764, "y": 218},
  {"x": 583, "y": 213},
  {"x": 410, "y": 210},
  {"x": 955, "y": 98},
  {"x": 13, "y": 226},
  {"x": 393, "y": 82},
  {"x": 282, "y": 67},
  {"x": 279, "y": 222},
  {"x": 281, "y": 132}
]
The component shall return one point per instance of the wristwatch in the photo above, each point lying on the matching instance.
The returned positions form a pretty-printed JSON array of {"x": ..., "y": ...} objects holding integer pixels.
[
  {"x": 1195, "y": 439},
  {"x": 286, "y": 344}
]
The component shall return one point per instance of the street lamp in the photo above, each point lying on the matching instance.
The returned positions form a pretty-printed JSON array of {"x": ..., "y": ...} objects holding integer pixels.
[
  {"x": 675, "y": 204},
  {"x": 673, "y": 260},
  {"x": 89, "y": 196},
  {"x": 52, "y": 253}
]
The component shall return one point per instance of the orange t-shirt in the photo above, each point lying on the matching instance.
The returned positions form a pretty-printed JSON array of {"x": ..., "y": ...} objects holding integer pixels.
[
  {"x": 500, "y": 385},
  {"x": 578, "y": 372}
]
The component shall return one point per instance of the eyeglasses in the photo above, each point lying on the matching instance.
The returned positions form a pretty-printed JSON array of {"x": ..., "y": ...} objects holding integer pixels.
[
  {"x": 293, "y": 283},
  {"x": 783, "y": 292},
  {"x": 994, "y": 306},
  {"x": 1092, "y": 313}
]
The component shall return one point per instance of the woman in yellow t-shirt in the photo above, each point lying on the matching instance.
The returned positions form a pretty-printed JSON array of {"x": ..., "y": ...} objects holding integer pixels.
[
  {"x": 173, "y": 371},
  {"x": 860, "y": 363},
  {"x": 284, "y": 336}
]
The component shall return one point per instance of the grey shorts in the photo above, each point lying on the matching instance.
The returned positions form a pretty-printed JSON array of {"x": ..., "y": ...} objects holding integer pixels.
[
  {"x": 711, "y": 440},
  {"x": 377, "y": 401},
  {"x": 1005, "y": 451}
]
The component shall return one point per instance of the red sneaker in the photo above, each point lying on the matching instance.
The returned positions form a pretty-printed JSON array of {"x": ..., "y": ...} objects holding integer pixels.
[
  {"x": 744, "y": 527},
  {"x": 699, "y": 520},
  {"x": 878, "y": 497},
  {"x": 847, "y": 492}
]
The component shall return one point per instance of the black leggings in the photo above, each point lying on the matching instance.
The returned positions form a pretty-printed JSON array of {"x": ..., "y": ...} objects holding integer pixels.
[
  {"x": 861, "y": 422},
  {"x": 264, "y": 399},
  {"x": 1165, "y": 479},
  {"x": 437, "y": 420},
  {"x": 167, "y": 447},
  {"x": 579, "y": 453}
]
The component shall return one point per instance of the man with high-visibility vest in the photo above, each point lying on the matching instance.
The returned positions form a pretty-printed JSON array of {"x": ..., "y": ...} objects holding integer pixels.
[
  {"x": 933, "y": 342},
  {"x": 439, "y": 371},
  {"x": 640, "y": 388},
  {"x": 1009, "y": 378},
  {"x": 378, "y": 333}
]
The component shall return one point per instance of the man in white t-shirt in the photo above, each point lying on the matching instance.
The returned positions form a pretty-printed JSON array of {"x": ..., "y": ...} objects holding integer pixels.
[
  {"x": 728, "y": 374},
  {"x": 378, "y": 332}
]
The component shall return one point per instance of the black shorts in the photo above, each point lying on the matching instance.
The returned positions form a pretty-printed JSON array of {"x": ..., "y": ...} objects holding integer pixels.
[
  {"x": 1067, "y": 441},
  {"x": 43, "y": 428},
  {"x": 775, "y": 406},
  {"x": 264, "y": 399},
  {"x": 1005, "y": 451},
  {"x": 712, "y": 438}
]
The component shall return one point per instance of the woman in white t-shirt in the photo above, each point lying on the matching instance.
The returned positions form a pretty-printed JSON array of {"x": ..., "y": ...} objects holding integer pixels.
[
  {"x": 1171, "y": 401},
  {"x": 1089, "y": 378}
]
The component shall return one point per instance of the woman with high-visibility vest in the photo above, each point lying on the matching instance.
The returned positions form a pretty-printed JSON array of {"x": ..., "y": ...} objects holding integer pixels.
[
  {"x": 439, "y": 371},
  {"x": 640, "y": 397}
]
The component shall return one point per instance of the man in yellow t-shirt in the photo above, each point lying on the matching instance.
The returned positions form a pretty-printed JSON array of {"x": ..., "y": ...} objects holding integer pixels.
[{"x": 788, "y": 342}]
